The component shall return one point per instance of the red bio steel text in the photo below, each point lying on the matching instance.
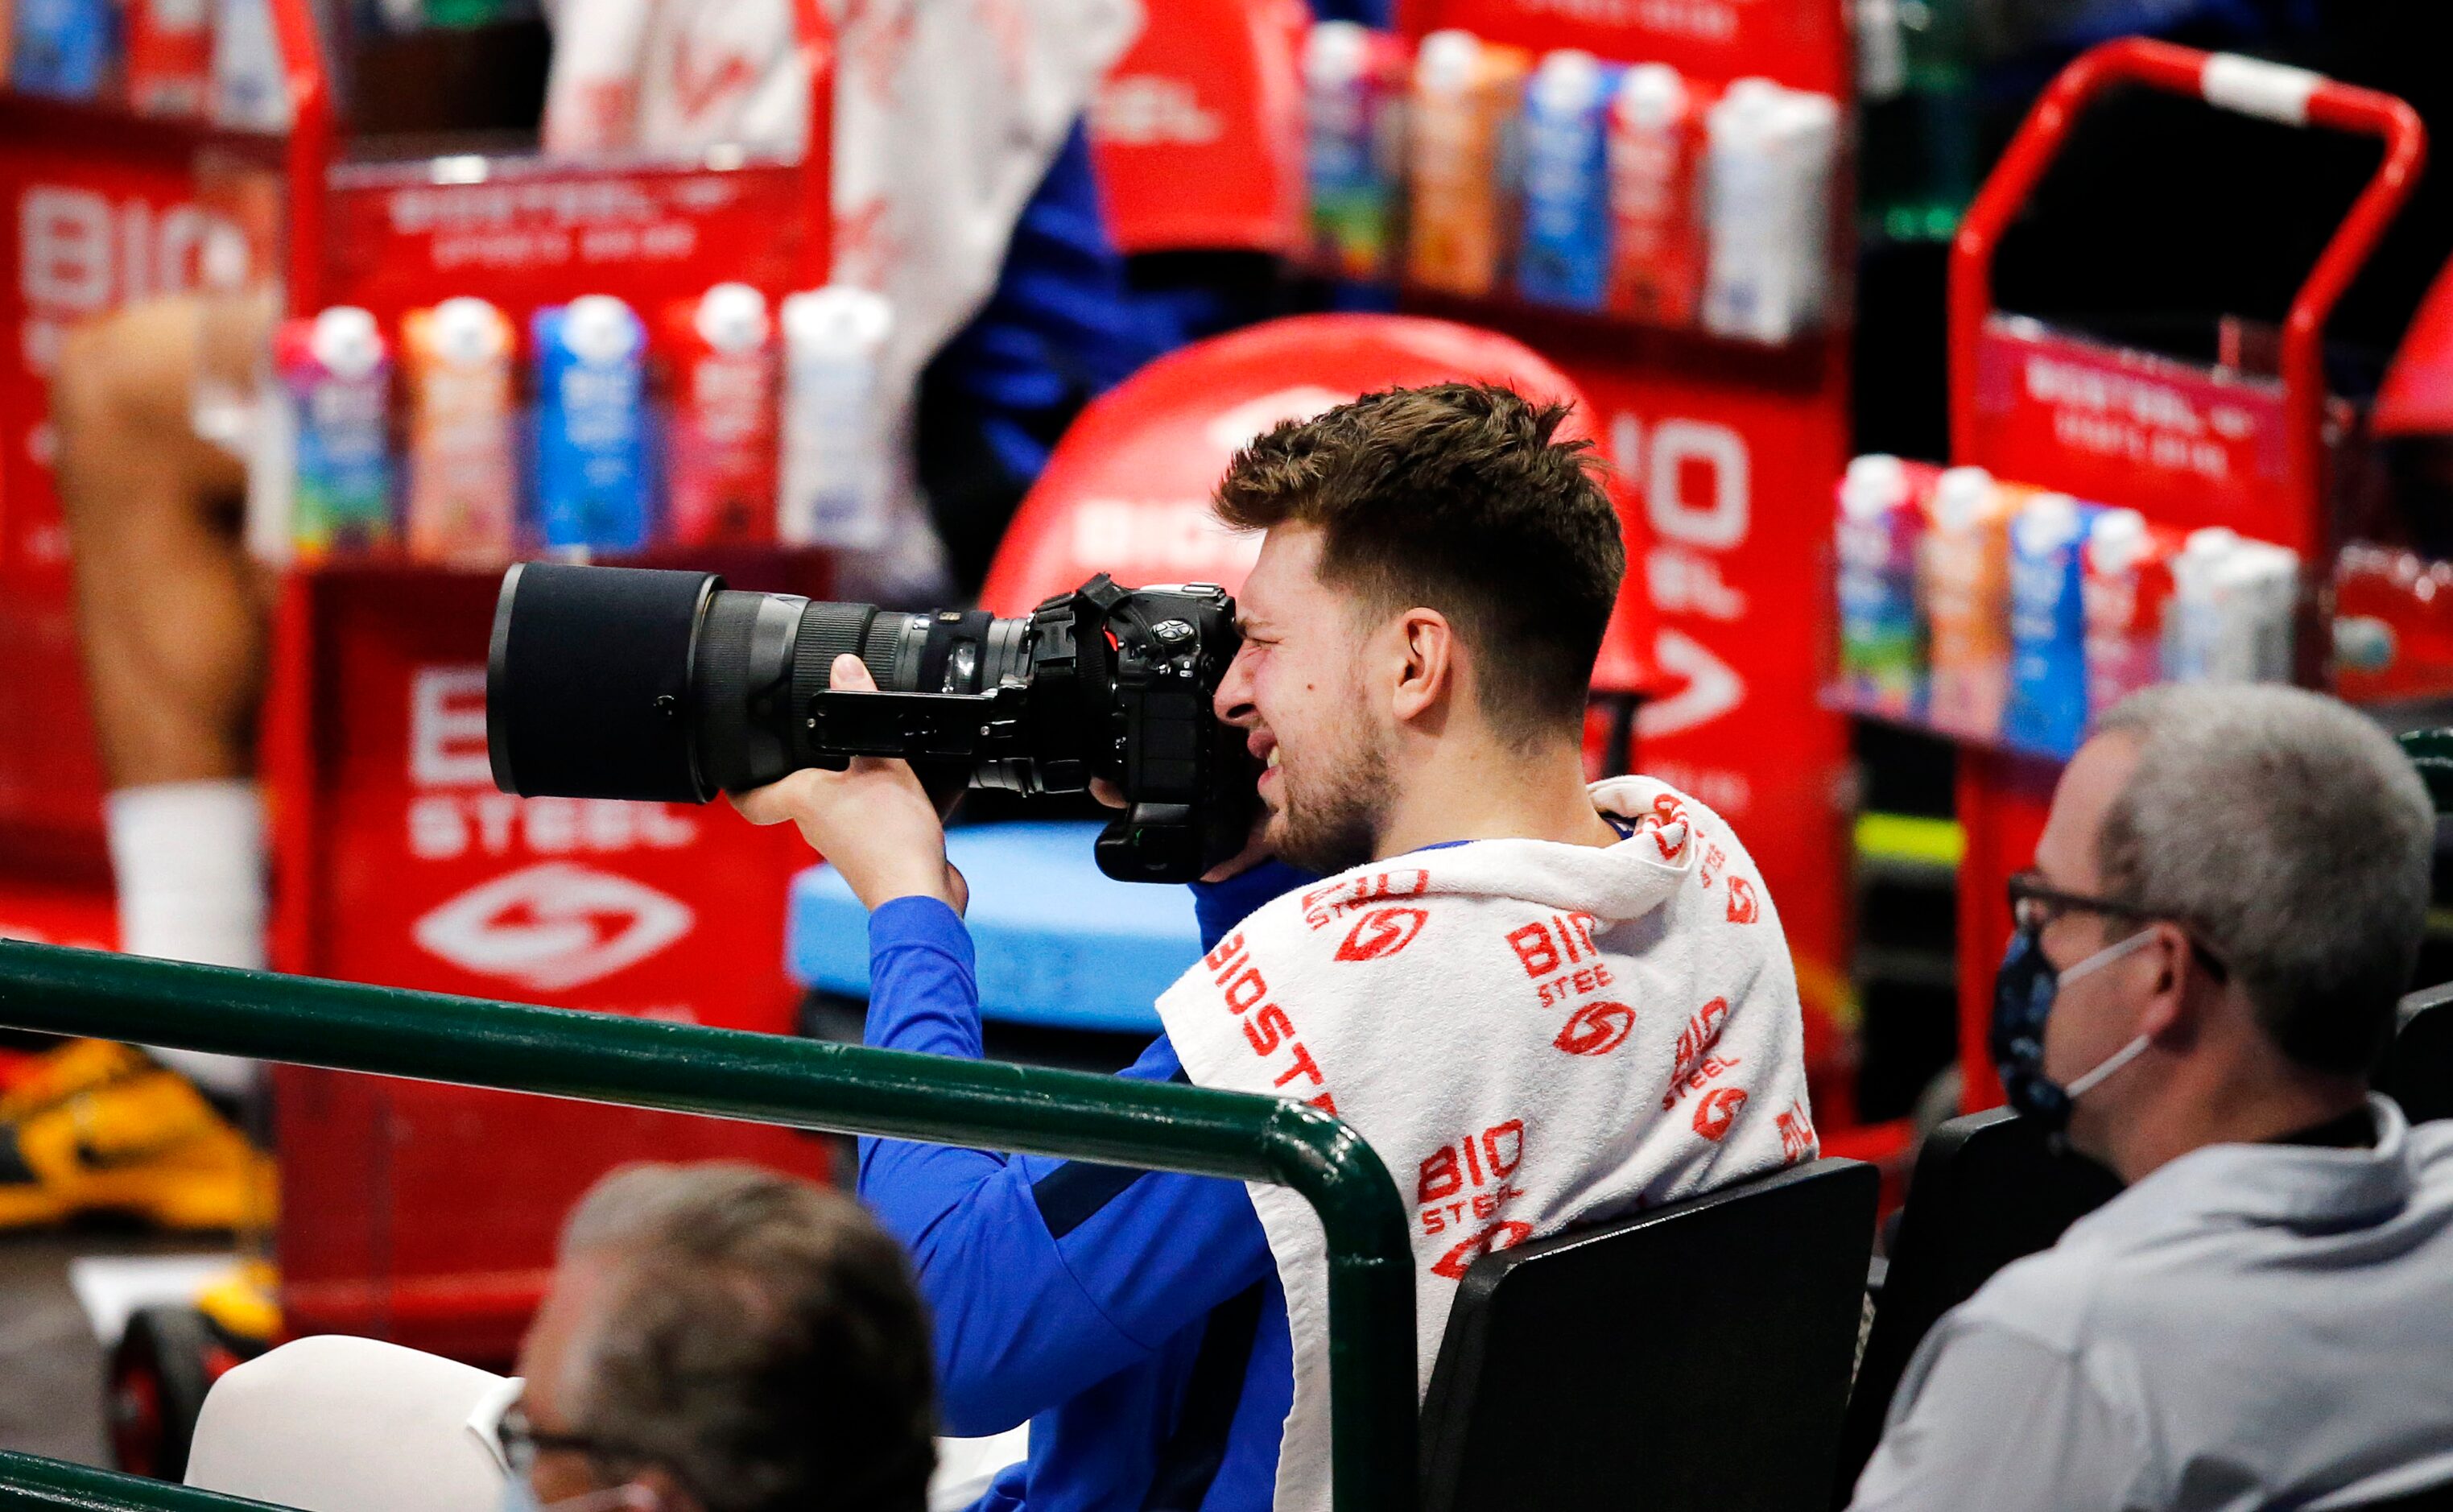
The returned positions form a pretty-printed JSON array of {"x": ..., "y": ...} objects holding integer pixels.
[
  {"x": 1796, "y": 1133},
  {"x": 1266, "y": 1027},
  {"x": 1546, "y": 944},
  {"x": 1461, "y": 1189},
  {"x": 1324, "y": 904},
  {"x": 1695, "y": 1066},
  {"x": 1558, "y": 953}
]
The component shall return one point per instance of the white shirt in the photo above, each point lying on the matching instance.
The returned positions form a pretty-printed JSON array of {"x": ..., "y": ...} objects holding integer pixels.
[{"x": 2249, "y": 1326}]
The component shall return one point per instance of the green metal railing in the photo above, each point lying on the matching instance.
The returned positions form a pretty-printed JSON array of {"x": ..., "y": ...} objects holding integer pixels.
[
  {"x": 803, "y": 1084},
  {"x": 29, "y": 1481},
  {"x": 2431, "y": 751}
]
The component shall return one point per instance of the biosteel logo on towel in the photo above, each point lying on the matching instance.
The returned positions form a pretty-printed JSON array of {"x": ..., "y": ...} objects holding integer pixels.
[
  {"x": 1718, "y": 1110},
  {"x": 1696, "y": 1066},
  {"x": 1382, "y": 932},
  {"x": 1597, "y": 1028}
]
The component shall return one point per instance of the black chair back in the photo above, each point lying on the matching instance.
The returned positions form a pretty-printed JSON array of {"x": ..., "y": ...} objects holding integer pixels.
[
  {"x": 2418, "y": 1071},
  {"x": 1987, "y": 1189},
  {"x": 1695, "y": 1356},
  {"x": 2429, "y": 1498}
]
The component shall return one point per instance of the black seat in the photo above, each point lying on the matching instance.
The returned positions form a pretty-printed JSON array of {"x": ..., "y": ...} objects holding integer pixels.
[
  {"x": 2418, "y": 1071},
  {"x": 1693, "y": 1356},
  {"x": 1987, "y": 1189}
]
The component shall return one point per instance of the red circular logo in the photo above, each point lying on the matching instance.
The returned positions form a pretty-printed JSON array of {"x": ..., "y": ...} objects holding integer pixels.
[
  {"x": 1597, "y": 1028},
  {"x": 1741, "y": 900},
  {"x": 1504, "y": 1234},
  {"x": 1382, "y": 932},
  {"x": 1718, "y": 1109}
]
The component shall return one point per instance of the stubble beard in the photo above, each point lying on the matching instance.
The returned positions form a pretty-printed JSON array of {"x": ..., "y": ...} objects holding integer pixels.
[{"x": 1338, "y": 823}]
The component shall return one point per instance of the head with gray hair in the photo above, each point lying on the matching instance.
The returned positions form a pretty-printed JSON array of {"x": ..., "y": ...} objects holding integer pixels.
[
  {"x": 2293, "y": 839},
  {"x": 755, "y": 1338}
]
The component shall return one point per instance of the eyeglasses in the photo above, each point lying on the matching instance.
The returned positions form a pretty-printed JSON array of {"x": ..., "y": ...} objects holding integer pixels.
[
  {"x": 2035, "y": 904},
  {"x": 521, "y": 1440}
]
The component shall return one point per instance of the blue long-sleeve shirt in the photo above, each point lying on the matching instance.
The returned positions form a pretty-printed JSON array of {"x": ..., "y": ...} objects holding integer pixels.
[{"x": 1135, "y": 1317}]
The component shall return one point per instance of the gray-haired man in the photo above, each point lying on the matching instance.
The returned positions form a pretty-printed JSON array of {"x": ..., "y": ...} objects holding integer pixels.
[
  {"x": 723, "y": 1338},
  {"x": 2227, "y": 899}
]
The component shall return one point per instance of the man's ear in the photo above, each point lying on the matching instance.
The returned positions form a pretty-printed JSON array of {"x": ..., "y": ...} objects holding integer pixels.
[
  {"x": 1428, "y": 657},
  {"x": 2176, "y": 1003}
]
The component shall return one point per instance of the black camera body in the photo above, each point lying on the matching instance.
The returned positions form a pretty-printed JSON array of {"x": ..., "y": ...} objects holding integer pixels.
[{"x": 641, "y": 684}]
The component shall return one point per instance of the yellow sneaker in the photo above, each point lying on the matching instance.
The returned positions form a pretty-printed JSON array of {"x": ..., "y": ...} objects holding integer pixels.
[
  {"x": 100, "y": 1128},
  {"x": 244, "y": 1305}
]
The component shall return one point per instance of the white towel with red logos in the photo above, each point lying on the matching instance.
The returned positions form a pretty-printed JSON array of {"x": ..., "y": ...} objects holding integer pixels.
[{"x": 1532, "y": 1035}]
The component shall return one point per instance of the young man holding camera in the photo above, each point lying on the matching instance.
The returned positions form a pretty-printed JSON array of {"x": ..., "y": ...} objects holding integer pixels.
[{"x": 1541, "y": 1002}]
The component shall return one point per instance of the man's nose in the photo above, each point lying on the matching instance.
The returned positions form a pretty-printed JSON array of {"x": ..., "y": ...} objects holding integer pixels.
[{"x": 1233, "y": 701}]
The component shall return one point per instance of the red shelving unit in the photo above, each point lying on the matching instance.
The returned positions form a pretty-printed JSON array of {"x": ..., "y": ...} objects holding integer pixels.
[
  {"x": 2199, "y": 447},
  {"x": 419, "y": 1213}
]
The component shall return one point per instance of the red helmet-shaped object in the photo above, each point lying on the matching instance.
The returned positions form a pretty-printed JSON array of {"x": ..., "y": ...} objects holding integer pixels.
[
  {"x": 2417, "y": 396},
  {"x": 1128, "y": 491}
]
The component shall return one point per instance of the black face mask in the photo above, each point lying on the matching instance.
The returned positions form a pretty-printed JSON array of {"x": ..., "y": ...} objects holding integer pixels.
[{"x": 2023, "y": 989}]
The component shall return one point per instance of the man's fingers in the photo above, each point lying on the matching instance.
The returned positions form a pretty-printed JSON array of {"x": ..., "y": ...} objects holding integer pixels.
[
  {"x": 775, "y": 803},
  {"x": 759, "y": 805},
  {"x": 851, "y": 674}
]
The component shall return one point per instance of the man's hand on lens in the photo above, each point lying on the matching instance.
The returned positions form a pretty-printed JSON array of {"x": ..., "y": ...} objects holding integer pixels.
[
  {"x": 872, "y": 821},
  {"x": 1255, "y": 849}
]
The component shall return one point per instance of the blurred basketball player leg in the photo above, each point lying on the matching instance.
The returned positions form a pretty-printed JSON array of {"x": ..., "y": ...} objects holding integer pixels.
[{"x": 172, "y": 617}]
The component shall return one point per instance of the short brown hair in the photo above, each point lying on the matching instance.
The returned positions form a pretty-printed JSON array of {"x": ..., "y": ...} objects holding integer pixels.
[
  {"x": 765, "y": 1342},
  {"x": 1455, "y": 497}
]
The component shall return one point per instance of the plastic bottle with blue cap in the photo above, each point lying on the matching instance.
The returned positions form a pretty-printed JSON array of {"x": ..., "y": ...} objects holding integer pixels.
[
  {"x": 1565, "y": 256},
  {"x": 591, "y": 426},
  {"x": 2047, "y": 703}
]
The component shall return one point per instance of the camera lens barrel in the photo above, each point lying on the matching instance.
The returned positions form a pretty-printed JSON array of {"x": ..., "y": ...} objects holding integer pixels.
[
  {"x": 739, "y": 711},
  {"x": 587, "y": 683},
  {"x": 643, "y": 684},
  {"x": 630, "y": 683}
]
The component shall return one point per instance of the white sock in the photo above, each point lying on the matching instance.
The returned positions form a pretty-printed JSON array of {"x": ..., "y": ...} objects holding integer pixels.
[{"x": 189, "y": 859}]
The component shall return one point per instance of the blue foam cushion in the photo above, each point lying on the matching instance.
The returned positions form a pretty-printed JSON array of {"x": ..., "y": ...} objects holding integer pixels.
[{"x": 1059, "y": 943}]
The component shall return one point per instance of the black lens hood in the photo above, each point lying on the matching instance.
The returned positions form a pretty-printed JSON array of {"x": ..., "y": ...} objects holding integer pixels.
[{"x": 587, "y": 683}]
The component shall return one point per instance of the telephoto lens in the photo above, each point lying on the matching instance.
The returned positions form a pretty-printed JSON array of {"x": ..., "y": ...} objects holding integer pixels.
[{"x": 663, "y": 685}]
